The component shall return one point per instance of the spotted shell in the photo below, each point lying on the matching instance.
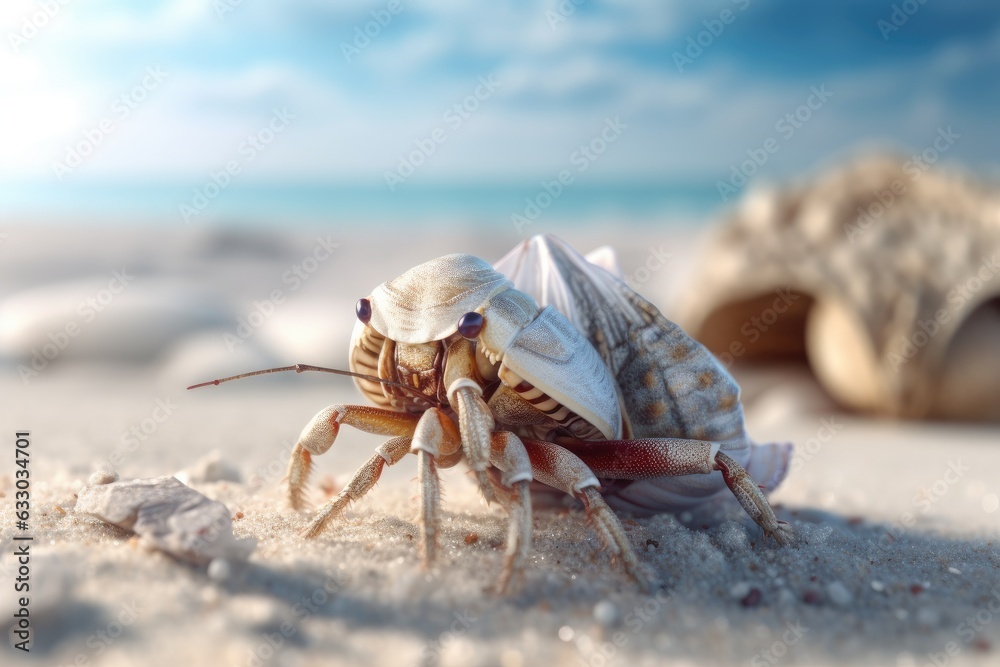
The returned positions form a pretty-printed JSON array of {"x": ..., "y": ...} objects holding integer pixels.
[
  {"x": 669, "y": 385},
  {"x": 884, "y": 274}
]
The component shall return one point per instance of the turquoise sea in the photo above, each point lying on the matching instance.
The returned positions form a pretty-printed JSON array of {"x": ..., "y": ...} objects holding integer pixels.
[{"x": 268, "y": 204}]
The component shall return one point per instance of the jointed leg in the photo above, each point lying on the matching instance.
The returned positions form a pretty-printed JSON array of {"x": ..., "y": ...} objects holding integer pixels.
[
  {"x": 430, "y": 505},
  {"x": 434, "y": 435},
  {"x": 364, "y": 479},
  {"x": 475, "y": 420},
  {"x": 320, "y": 433},
  {"x": 662, "y": 457},
  {"x": 561, "y": 469},
  {"x": 508, "y": 453},
  {"x": 751, "y": 497}
]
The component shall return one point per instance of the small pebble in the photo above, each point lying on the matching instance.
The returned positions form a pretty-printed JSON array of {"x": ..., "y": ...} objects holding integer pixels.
[
  {"x": 916, "y": 589},
  {"x": 102, "y": 477},
  {"x": 606, "y": 613},
  {"x": 213, "y": 467},
  {"x": 740, "y": 590},
  {"x": 954, "y": 570},
  {"x": 471, "y": 538},
  {"x": 167, "y": 515},
  {"x": 877, "y": 586},
  {"x": 219, "y": 570},
  {"x": 753, "y": 598},
  {"x": 839, "y": 594},
  {"x": 255, "y": 611}
]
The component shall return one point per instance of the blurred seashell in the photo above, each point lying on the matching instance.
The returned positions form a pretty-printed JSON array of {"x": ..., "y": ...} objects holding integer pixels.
[
  {"x": 215, "y": 353},
  {"x": 119, "y": 317},
  {"x": 886, "y": 277}
]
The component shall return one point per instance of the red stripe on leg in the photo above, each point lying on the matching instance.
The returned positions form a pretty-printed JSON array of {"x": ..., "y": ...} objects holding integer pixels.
[{"x": 644, "y": 458}]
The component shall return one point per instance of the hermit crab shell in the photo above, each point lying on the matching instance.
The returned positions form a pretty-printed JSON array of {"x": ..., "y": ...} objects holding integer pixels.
[{"x": 884, "y": 274}]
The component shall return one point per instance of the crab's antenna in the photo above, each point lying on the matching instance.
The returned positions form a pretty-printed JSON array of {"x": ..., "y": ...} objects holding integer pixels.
[{"x": 298, "y": 368}]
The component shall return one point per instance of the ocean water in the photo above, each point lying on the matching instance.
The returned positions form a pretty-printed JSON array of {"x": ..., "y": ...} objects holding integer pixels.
[{"x": 268, "y": 204}]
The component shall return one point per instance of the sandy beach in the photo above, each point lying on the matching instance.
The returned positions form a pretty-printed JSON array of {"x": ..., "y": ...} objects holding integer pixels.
[{"x": 897, "y": 523}]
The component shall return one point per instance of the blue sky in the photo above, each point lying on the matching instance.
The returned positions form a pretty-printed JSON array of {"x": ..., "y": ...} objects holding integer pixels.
[{"x": 228, "y": 66}]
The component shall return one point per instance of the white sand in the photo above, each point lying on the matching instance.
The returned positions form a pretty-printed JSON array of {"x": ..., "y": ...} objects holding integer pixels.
[{"x": 853, "y": 595}]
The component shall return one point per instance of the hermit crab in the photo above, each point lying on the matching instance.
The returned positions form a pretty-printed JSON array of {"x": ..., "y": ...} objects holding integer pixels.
[
  {"x": 884, "y": 273},
  {"x": 544, "y": 372}
]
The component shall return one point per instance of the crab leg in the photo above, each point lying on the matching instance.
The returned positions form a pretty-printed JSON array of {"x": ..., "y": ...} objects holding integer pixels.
[
  {"x": 435, "y": 435},
  {"x": 475, "y": 420},
  {"x": 561, "y": 469},
  {"x": 508, "y": 453},
  {"x": 389, "y": 452},
  {"x": 321, "y": 431},
  {"x": 751, "y": 497},
  {"x": 430, "y": 505},
  {"x": 666, "y": 457}
]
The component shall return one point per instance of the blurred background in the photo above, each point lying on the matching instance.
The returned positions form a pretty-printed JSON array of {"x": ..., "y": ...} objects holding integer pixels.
[{"x": 195, "y": 188}]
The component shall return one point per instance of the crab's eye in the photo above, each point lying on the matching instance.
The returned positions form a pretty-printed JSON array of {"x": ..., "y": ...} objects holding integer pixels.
[
  {"x": 470, "y": 325},
  {"x": 364, "y": 310}
]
